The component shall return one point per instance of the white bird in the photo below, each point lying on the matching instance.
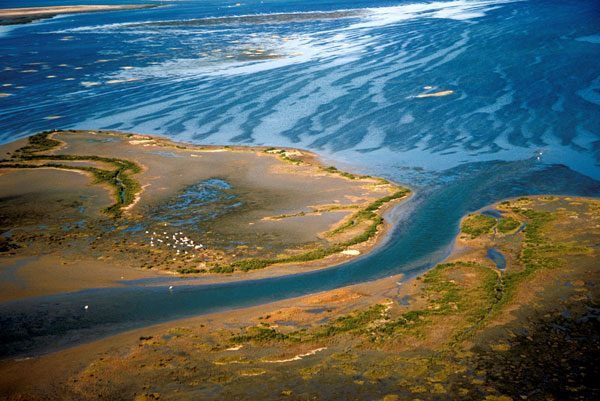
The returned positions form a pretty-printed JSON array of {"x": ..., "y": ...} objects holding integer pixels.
[
  {"x": 170, "y": 287},
  {"x": 86, "y": 307}
]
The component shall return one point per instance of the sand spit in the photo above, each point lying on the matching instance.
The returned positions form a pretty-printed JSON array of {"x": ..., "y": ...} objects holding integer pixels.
[
  {"x": 434, "y": 94},
  {"x": 11, "y": 16}
]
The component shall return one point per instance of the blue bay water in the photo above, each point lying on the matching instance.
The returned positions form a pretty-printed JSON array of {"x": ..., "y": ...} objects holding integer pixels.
[{"x": 342, "y": 78}]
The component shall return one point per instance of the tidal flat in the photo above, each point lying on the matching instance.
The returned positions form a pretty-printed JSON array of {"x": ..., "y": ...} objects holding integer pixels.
[
  {"x": 463, "y": 330},
  {"x": 108, "y": 207}
]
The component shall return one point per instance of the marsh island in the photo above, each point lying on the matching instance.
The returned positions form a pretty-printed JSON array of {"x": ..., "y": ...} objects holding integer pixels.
[{"x": 153, "y": 207}]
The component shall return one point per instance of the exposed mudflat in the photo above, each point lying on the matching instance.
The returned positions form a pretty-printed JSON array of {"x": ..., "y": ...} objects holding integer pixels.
[{"x": 114, "y": 207}]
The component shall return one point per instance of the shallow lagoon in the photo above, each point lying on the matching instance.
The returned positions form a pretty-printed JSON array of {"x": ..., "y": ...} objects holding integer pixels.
[{"x": 497, "y": 257}]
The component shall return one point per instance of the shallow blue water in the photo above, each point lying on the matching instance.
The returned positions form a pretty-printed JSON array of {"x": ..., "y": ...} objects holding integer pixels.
[
  {"x": 207, "y": 199},
  {"x": 523, "y": 118},
  {"x": 497, "y": 257},
  {"x": 525, "y": 78},
  {"x": 492, "y": 213}
]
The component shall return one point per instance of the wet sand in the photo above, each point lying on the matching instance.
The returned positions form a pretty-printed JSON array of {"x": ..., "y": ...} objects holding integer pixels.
[
  {"x": 257, "y": 205},
  {"x": 35, "y": 276}
]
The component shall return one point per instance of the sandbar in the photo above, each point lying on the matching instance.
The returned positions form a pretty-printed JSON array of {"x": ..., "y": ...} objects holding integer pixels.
[{"x": 11, "y": 16}]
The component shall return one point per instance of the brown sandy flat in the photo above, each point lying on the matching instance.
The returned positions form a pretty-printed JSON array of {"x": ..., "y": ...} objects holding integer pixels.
[
  {"x": 55, "y": 10},
  {"x": 11, "y": 16},
  {"x": 290, "y": 206}
]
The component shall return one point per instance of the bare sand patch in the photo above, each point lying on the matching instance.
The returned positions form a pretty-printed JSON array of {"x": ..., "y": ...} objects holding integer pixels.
[{"x": 434, "y": 94}]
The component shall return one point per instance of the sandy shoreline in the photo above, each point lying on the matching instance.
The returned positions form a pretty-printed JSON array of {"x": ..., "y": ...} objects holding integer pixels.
[{"x": 74, "y": 358}]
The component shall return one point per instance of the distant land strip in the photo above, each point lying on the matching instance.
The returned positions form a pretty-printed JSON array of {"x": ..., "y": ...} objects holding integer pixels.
[{"x": 24, "y": 15}]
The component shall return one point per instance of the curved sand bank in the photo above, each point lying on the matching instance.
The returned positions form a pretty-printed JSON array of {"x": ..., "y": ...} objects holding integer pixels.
[
  {"x": 12, "y": 16},
  {"x": 157, "y": 207},
  {"x": 459, "y": 330}
]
